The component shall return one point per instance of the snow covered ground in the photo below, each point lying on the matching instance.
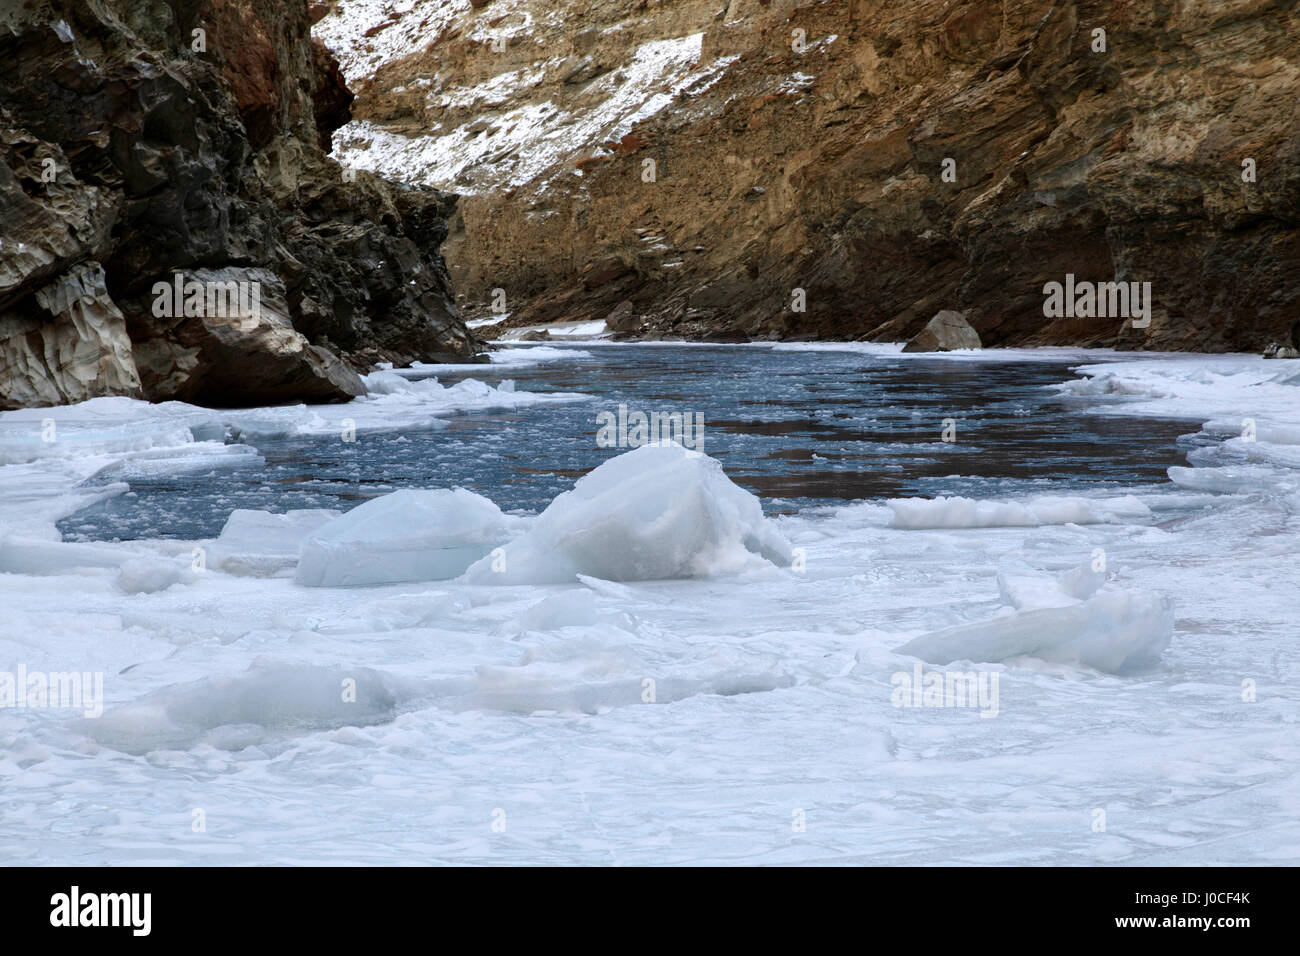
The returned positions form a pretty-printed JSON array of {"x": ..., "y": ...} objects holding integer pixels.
[{"x": 1057, "y": 679}]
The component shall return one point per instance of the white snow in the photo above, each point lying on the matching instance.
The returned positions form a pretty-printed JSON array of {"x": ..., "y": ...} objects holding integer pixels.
[
  {"x": 1250, "y": 409},
  {"x": 395, "y": 403},
  {"x": 1039, "y": 591},
  {"x": 20, "y": 555},
  {"x": 409, "y": 535},
  {"x": 516, "y": 354},
  {"x": 558, "y": 330},
  {"x": 525, "y": 141},
  {"x": 654, "y": 513},
  {"x": 103, "y": 426},
  {"x": 894, "y": 350},
  {"x": 967, "y": 513},
  {"x": 1204, "y": 387},
  {"x": 233, "y": 713},
  {"x": 411, "y": 25},
  {"x": 525, "y": 354},
  {"x": 146, "y": 575},
  {"x": 575, "y": 608}
]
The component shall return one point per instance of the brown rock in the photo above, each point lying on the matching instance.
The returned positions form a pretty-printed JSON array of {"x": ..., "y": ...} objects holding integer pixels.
[
  {"x": 243, "y": 351},
  {"x": 623, "y": 318},
  {"x": 603, "y": 272},
  {"x": 945, "y": 332}
]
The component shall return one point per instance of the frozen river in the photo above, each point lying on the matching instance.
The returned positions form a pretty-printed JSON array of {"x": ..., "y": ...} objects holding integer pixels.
[{"x": 1105, "y": 545}]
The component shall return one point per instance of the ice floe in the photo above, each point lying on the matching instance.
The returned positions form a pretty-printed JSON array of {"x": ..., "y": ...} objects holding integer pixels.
[
  {"x": 968, "y": 513},
  {"x": 1117, "y": 631},
  {"x": 409, "y": 535},
  {"x": 235, "y": 712},
  {"x": 654, "y": 513},
  {"x": 262, "y": 543}
]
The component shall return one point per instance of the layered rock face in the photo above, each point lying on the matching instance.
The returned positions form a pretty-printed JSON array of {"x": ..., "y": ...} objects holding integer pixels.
[
  {"x": 848, "y": 168},
  {"x": 148, "y": 146}
]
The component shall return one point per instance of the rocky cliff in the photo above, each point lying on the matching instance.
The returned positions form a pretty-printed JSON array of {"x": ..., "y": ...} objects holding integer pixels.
[
  {"x": 848, "y": 168},
  {"x": 171, "y": 225}
]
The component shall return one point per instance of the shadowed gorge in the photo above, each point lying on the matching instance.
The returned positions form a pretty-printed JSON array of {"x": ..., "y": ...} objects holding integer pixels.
[{"x": 142, "y": 141}]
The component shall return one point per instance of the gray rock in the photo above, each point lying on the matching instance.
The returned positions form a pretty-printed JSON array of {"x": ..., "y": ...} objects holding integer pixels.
[
  {"x": 68, "y": 345},
  {"x": 945, "y": 332}
]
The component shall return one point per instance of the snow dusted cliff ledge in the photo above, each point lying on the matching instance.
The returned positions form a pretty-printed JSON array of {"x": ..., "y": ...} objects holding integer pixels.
[
  {"x": 802, "y": 144},
  {"x": 134, "y": 150}
]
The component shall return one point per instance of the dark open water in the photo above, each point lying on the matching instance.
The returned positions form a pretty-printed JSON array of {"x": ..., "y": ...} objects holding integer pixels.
[{"x": 797, "y": 428}]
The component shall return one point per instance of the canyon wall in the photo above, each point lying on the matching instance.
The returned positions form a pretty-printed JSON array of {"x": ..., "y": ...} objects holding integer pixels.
[
  {"x": 703, "y": 168},
  {"x": 151, "y": 142}
]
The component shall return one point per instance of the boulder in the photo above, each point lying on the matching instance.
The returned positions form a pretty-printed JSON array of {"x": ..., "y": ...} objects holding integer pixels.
[
  {"x": 245, "y": 351},
  {"x": 623, "y": 318},
  {"x": 945, "y": 332}
]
